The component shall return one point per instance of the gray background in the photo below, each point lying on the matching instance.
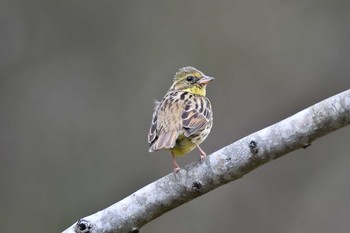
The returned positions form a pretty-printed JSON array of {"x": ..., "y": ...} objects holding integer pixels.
[{"x": 77, "y": 84}]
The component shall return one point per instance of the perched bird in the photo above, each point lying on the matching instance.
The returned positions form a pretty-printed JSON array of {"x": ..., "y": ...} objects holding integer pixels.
[{"x": 183, "y": 119}]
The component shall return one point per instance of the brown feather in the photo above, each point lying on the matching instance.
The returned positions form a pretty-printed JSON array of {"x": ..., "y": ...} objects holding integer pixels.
[
  {"x": 193, "y": 120},
  {"x": 153, "y": 129},
  {"x": 167, "y": 126}
]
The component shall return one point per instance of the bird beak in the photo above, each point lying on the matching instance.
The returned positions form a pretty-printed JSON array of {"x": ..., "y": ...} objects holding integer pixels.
[{"x": 205, "y": 79}]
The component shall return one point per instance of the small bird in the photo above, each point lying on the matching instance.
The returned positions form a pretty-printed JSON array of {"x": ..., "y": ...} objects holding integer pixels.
[{"x": 183, "y": 118}]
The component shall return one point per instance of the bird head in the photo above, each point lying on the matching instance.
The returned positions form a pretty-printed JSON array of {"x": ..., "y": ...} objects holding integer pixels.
[{"x": 191, "y": 80}]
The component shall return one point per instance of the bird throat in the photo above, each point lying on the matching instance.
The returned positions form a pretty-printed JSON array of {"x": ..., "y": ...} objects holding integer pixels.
[{"x": 197, "y": 90}]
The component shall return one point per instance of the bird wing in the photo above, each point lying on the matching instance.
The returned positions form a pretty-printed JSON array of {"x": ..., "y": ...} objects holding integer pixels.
[
  {"x": 166, "y": 124},
  {"x": 152, "y": 134},
  {"x": 174, "y": 116},
  {"x": 196, "y": 115}
]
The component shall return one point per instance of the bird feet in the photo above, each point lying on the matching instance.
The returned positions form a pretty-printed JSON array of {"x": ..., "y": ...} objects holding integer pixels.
[
  {"x": 176, "y": 166},
  {"x": 201, "y": 153},
  {"x": 176, "y": 169}
]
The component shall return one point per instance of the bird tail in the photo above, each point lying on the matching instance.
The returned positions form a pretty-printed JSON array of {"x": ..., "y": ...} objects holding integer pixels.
[{"x": 166, "y": 140}]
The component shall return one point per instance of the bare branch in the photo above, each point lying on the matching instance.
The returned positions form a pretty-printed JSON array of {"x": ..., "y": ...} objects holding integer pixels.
[{"x": 221, "y": 167}]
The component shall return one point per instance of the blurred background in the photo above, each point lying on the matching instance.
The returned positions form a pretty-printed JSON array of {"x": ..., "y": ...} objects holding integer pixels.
[{"x": 77, "y": 85}]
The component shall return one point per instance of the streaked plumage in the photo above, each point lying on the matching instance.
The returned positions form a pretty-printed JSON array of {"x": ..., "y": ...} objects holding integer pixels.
[{"x": 183, "y": 118}]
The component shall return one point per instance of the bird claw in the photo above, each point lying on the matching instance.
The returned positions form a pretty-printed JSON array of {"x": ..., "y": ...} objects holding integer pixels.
[{"x": 176, "y": 169}]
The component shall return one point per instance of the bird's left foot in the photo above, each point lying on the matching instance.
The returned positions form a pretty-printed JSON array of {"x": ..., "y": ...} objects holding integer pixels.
[
  {"x": 176, "y": 166},
  {"x": 202, "y": 153},
  {"x": 176, "y": 169}
]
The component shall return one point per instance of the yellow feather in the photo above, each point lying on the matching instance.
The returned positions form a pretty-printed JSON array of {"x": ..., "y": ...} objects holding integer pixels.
[
  {"x": 183, "y": 146},
  {"x": 196, "y": 90}
]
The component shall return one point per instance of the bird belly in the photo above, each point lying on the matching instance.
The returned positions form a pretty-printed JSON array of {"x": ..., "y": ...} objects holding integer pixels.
[{"x": 182, "y": 146}]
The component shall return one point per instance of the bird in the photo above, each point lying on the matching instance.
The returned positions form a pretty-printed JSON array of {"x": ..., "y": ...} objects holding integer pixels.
[{"x": 182, "y": 120}]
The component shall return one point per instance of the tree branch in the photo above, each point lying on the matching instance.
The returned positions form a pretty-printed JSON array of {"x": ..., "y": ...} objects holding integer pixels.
[{"x": 221, "y": 167}]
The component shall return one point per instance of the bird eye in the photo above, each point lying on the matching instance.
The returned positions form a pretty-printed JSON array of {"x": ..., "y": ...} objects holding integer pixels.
[{"x": 190, "y": 78}]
